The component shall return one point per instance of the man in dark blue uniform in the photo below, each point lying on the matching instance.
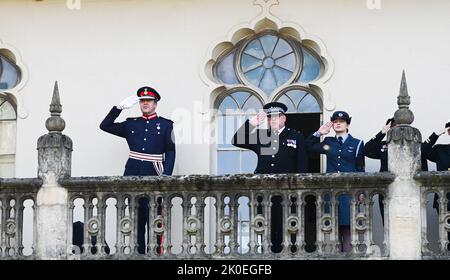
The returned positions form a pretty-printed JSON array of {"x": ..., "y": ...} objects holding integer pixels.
[
  {"x": 378, "y": 149},
  {"x": 440, "y": 154},
  {"x": 151, "y": 142},
  {"x": 344, "y": 154},
  {"x": 279, "y": 149}
]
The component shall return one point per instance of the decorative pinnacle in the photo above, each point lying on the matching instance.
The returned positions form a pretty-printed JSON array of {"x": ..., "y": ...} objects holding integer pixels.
[
  {"x": 403, "y": 116},
  {"x": 55, "y": 124},
  {"x": 55, "y": 106}
]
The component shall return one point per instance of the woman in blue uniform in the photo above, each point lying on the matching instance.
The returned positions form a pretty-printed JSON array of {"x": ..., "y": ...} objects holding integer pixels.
[{"x": 344, "y": 154}]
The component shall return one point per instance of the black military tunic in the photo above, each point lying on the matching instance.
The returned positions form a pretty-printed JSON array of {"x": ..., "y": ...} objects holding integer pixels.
[
  {"x": 440, "y": 154},
  {"x": 283, "y": 153},
  {"x": 378, "y": 149}
]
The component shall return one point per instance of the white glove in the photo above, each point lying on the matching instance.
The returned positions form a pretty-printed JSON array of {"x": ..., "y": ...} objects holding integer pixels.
[{"x": 128, "y": 102}]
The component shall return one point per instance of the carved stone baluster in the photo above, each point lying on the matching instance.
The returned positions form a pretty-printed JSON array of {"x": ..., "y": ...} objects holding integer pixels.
[
  {"x": 267, "y": 205},
  {"x": 101, "y": 239},
  {"x": 252, "y": 234},
  {"x": 386, "y": 242},
  {"x": 320, "y": 234},
  {"x": 353, "y": 232},
  {"x": 152, "y": 242},
  {"x": 186, "y": 211},
  {"x": 219, "y": 252},
  {"x": 120, "y": 236},
  {"x": 201, "y": 225},
  {"x": 20, "y": 227},
  {"x": 286, "y": 212},
  {"x": 299, "y": 241},
  {"x": 334, "y": 237},
  {"x": 233, "y": 244},
  {"x": 86, "y": 237},
  {"x": 70, "y": 246},
  {"x": 165, "y": 213},
  {"x": 443, "y": 236}
]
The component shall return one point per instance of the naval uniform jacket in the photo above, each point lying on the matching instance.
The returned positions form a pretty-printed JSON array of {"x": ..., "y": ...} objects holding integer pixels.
[
  {"x": 283, "y": 153},
  {"x": 152, "y": 136},
  {"x": 378, "y": 149},
  {"x": 440, "y": 154},
  {"x": 346, "y": 157}
]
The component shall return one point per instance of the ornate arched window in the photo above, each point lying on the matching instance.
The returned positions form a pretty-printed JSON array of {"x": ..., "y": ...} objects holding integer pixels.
[
  {"x": 260, "y": 68},
  {"x": 9, "y": 73},
  {"x": 8, "y": 117}
]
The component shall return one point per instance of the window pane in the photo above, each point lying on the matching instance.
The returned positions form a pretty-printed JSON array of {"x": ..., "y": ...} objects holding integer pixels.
[
  {"x": 296, "y": 96},
  {"x": 7, "y": 111},
  {"x": 268, "y": 82},
  {"x": 281, "y": 49},
  {"x": 287, "y": 62},
  {"x": 225, "y": 70},
  {"x": 227, "y": 126},
  {"x": 309, "y": 105},
  {"x": 268, "y": 43},
  {"x": 240, "y": 97},
  {"x": 252, "y": 105},
  {"x": 286, "y": 101},
  {"x": 281, "y": 75},
  {"x": 7, "y": 137},
  {"x": 228, "y": 162},
  {"x": 249, "y": 161},
  {"x": 9, "y": 76},
  {"x": 311, "y": 67},
  {"x": 255, "y": 49},
  {"x": 250, "y": 63},
  {"x": 228, "y": 105},
  {"x": 254, "y": 76}
]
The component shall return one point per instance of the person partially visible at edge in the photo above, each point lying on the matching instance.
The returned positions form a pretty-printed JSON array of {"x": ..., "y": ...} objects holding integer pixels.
[
  {"x": 344, "y": 154},
  {"x": 151, "y": 143}
]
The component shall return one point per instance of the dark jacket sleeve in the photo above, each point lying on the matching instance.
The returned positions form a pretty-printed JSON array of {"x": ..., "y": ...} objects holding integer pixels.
[
  {"x": 360, "y": 159},
  {"x": 244, "y": 138},
  {"x": 302, "y": 158},
  {"x": 169, "y": 151},
  {"x": 372, "y": 148},
  {"x": 314, "y": 146},
  {"x": 110, "y": 126},
  {"x": 426, "y": 148}
]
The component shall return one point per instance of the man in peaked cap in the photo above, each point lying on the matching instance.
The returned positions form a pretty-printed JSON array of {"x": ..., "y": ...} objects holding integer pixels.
[
  {"x": 279, "y": 149},
  {"x": 440, "y": 154},
  {"x": 151, "y": 143}
]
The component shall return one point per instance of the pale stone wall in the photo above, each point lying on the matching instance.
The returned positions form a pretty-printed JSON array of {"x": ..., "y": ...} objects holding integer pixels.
[{"x": 106, "y": 50}]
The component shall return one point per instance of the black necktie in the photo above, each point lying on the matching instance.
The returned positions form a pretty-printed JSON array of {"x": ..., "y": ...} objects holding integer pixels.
[{"x": 340, "y": 140}]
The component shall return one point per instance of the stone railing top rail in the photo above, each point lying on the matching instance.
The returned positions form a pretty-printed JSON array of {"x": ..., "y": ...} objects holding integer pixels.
[
  {"x": 229, "y": 182},
  {"x": 434, "y": 178},
  {"x": 20, "y": 185}
]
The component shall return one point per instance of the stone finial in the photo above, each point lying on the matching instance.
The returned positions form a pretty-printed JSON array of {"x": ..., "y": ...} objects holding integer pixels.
[
  {"x": 55, "y": 124},
  {"x": 403, "y": 116}
]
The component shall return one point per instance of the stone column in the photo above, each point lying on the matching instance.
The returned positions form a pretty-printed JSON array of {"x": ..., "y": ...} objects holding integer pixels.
[
  {"x": 54, "y": 162},
  {"x": 404, "y": 194}
]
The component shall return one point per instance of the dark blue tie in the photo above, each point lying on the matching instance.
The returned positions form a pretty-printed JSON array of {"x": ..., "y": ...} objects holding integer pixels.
[{"x": 340, "y": 140}]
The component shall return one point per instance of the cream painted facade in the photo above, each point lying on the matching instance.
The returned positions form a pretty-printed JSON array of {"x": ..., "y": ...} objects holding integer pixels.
[{"x": 102, "y": 52}]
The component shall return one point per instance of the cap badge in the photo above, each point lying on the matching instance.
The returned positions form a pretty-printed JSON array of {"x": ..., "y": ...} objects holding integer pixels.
[{"x": 340, "y": 115}]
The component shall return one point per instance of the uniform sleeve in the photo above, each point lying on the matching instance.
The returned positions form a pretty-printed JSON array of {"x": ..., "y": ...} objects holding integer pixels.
[
  {"x": 372, "y": 148},
  {"x": 432, "y": 155},
  {"x": 426, "y": 148},
  {"x": 243, "y": 138},
  {"x": 302, "y": 158},
  {"x": 110, "y": 126},
  {"x": 314, "y": 146},
  {"x": 360, "y": 159},
  {"x": 169, "y": 151}
]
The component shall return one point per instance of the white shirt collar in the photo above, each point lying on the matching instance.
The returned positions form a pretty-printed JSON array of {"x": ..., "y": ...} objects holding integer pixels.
[{"x": 281, "y": 130}]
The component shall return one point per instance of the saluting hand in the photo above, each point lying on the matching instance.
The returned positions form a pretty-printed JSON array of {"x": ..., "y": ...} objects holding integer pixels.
[
  {"x": 128, "y": 102},
  {"x": 440, "y": 132},
  {"x": 386, "y": 128},
  {"x": 258, "y": 119},
  {"x": 325, "y": 129}
]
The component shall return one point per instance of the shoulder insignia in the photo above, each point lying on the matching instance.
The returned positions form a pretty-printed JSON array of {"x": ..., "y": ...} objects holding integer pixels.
[{"x": 166, "y": 119}]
